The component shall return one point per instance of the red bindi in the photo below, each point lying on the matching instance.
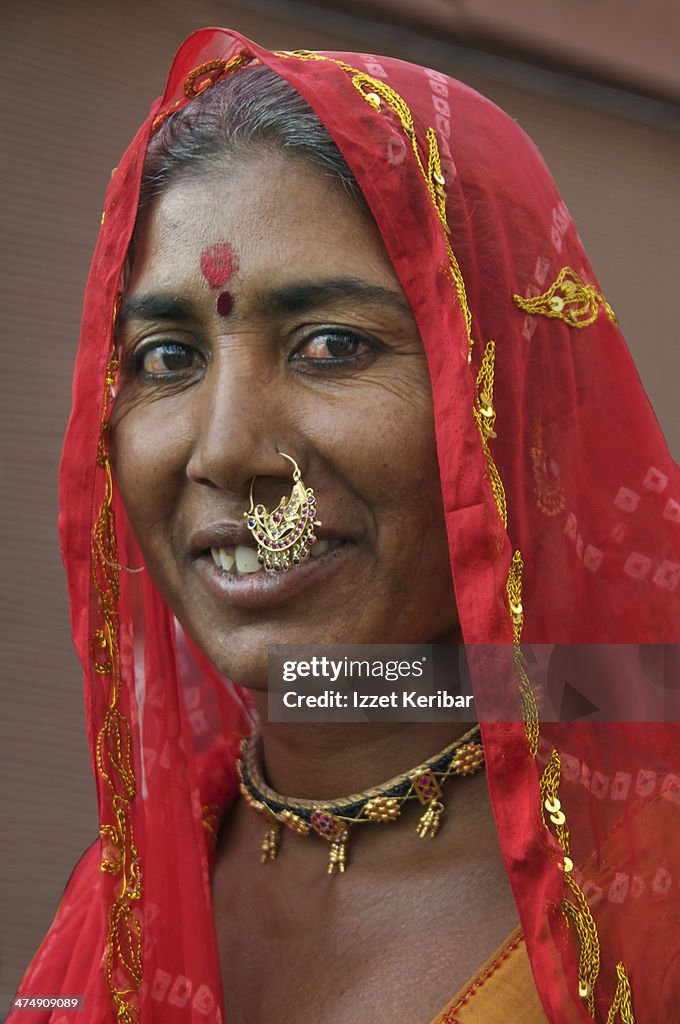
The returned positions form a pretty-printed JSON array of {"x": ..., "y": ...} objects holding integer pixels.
[
  {"x": 218, "y": 262},
  {"x": 225, "y": 303}
]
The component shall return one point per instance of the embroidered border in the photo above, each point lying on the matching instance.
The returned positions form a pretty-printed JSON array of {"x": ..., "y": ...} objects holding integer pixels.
[
  {"x": 450, "y": 1015},
  {"x": 569, "y": 299},
  {"x": 123, "y": 957}
]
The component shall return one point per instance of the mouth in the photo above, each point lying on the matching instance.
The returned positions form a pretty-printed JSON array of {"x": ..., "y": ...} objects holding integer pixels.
[
  {"x": 242, "y": 559},
  {"x": 226, "y": 559}
]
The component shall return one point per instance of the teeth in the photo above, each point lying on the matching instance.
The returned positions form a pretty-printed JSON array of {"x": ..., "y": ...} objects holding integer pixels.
[
  {"x": 246, "y": 560},
  {"x": 243, "y": 560},
  {"x": 223, "y": 558}
]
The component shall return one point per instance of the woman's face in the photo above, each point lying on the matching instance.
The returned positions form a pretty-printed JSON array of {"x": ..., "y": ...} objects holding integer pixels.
[{"x": 263, "y": 314}]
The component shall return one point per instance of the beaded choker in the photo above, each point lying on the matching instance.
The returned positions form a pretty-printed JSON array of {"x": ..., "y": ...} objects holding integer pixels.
[{"x": 333, "y": 820}]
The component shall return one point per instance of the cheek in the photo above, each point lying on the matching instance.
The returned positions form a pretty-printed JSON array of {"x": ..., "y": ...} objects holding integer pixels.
[
  {"x": 387, "y": 452},
  {"x": 400, "y": 439},
  {"x": 147, "y": 464}
]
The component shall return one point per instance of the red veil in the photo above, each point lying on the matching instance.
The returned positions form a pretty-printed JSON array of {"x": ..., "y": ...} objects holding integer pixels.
[{"x": 562, "y": 506}]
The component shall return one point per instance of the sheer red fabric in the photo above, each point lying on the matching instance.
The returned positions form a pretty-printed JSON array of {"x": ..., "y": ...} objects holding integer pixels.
[{"x": 550, "y": 426}]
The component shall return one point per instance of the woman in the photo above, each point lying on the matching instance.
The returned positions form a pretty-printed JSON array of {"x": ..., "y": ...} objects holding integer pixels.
[{"x": 412, "y": 330}]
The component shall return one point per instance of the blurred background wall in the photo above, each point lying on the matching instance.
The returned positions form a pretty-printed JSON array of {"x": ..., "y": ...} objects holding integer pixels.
[{"x": 596, "y": 84}]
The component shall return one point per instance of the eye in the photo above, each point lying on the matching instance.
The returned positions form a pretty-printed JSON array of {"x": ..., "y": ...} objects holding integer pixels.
[
  {"x": 334, "y": 346},
  {"x": 167, "y": 358}
]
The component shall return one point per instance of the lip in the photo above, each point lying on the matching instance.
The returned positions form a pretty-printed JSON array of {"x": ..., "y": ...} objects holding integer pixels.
[
  {"x": 264, "y": 589},
  {"x": 219, "y": 535}
]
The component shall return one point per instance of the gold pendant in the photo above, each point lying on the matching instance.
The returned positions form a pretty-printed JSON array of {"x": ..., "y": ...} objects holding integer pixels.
[
  {"x": 337, "y": 860},
  {"x": 284, "y": 536},
  {"x": 270, "y": 844},
  {"x": 428, "y": 826}
]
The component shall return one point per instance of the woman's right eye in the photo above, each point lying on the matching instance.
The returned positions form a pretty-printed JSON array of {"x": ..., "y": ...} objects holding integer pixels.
[{"x": 167, "y": 359}]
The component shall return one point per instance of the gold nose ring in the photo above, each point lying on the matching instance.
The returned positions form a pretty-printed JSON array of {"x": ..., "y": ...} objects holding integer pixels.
[{"x": 285, "y": 535}]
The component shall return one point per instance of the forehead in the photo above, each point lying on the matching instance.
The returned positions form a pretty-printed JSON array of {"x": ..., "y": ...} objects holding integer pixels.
[{"x": 274, "y": 212}]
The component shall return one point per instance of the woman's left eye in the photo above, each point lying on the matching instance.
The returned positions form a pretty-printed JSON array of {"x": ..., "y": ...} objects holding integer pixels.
[{"x": 334, "y": 347}]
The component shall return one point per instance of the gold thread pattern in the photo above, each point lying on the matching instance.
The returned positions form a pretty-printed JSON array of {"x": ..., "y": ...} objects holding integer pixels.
[
  {"x": 123, "y": 957},
  {"x": 622, "y": 1004},
  {"x": 589, "y": 954},
  {"x": 200, "y": 79},
  {"x": 212, "y": 815},
  {"x": 550, "y": 785},
  {"x": 577, "y": 910},
  {"x": 548, "y": 490},
  {"x": 205, "y": 75},
  {"x": 485, "y": 418},
  {"x": 569, "y": 299},
  {"x": 513, "y": 589}
]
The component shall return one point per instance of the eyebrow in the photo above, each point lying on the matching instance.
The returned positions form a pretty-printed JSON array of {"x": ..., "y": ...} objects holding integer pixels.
[
  {"x": 297, "y": 298},
  {"x": 155, "y": 306}
]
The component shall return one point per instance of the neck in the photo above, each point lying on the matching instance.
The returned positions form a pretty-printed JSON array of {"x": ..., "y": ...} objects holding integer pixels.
[{"x": 324, "y": 761}]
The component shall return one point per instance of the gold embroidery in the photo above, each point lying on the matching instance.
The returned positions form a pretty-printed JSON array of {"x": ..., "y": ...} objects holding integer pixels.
[
  {"x": 589, "y": 953},
  {"x": 123, "y": 957},
  {"x": 548, "y": 490},
  {"x": 164, "y": 115},
  {"x": 576, "y": 910},
  {"x": 569, "y": 299},
  {"x": 513, "y": 588},
  {"x": 109, "y": 383},
  {"x": 550, "y": 802},
  {"x": 621, "y": 1004},
  {"x": 211, "y": 71},
  {"x": 485, "y": 418},
  {"x": 212, "y": 815},
  {"x": 198, "y": 80}
]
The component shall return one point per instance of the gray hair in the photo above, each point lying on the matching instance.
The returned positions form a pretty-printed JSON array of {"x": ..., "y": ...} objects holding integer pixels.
[{"x": 252, "y": 109}]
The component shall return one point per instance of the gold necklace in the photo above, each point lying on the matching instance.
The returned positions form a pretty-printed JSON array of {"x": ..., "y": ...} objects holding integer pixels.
[{"x": 333, "y": 820}]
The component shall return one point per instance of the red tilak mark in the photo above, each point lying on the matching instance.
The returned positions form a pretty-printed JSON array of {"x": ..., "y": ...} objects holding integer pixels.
[
  {"x": 225, "y": 303},
  {"x": 218, "y": 263}
]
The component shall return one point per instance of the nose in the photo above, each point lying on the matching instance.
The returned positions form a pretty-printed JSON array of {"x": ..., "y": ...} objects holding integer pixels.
[{"x": 241, "y": 421}]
